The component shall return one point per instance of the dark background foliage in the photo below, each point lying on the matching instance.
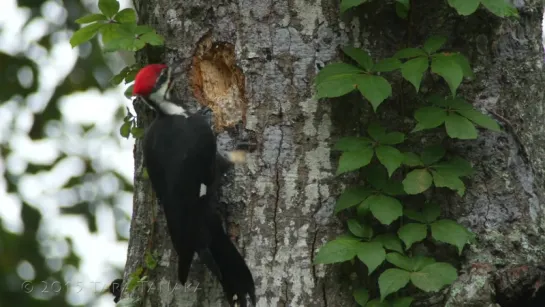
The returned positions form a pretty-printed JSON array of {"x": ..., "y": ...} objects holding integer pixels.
[{"x": 50, "y": 259}]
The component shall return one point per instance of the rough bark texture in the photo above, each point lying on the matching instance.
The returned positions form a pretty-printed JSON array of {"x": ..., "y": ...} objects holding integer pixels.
[{"x": 280, "y": 203}]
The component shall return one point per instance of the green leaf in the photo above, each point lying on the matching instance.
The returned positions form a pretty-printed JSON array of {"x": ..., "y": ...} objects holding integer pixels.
[
  {"x": 394, "y": 188},
  {"x": 137, "y": 132},
  {"x": 376, "y": 131},
  {"x": 458, "y": 103},
  {"x": 347, "y": 4},
  {"x": 131, "y": 75},
  {"x": 498, "y": 8},
  {"x": 120, "y": 76},
  {"x": 128, "y": 91},
  {"x": 447, "y": 67},
  {"x": 353, "y": 160},
  {"x": 464, "y": 65},
  {"x": 108, "y": 7},
  {"x": 408, "y": 53},
  {"x": 377, "y": 176},
  {"x": 361, "y": 295},
  {"x": 386, "y": 65},
  {"x": 412, "y": 159},
  {"x": 377, "y": 303},
  {"x": 392, "y": 280},
  {"x": 152, "y": 38},
  {"x": 360, "y": 56},
  {"x": 419, "y": 262},
  {"x": 412, "y": 233},
  {"x": 402, "y": 11},
  {"x": 351, "y": 197},
  {"x": 456, "y": 166},
  {"x": 90, "y": 18},
  {"x": 151, "y": 263},
  {"x": 447, "y": 180},
  {"x": 134, "y": 279},
  {"x": 374, "y": 88},
  {"x": 434, "y": 43},
  {"x": 414, "y": 215},
  {"x": 417, "y": 181},
  {"x": 389, "y": 241},
  {"x": 336, "y": 70},
  {"x": 348, "y": 236},
  {"x": 142, "y": 29},
  {"x": 392, "y": 138},
  {"x": 430, "y": 212},
  {"x": 402, "y": 301},
  {"x": 127, "y": 15},
  {"x": 336, "y": 80},
  {"x": 400, "y": 261},
  {"x": 480, "y": 119},
  {"x": 84, "y": 34},
  {"x": 353, "y": 143},
  {"x": 450, "y": 232},
  {"x": 125, "y": 129},
  {"x": 338, "y": 250},
  {"x": 359, "y": 230},
  {"x": 372, "y": 254},
  {"x": 432, "y": 154},
  {"x": 362, "y": 210},
  {"x": 124, "y": 43},
  {"x": 390, "y": 157},
  {"x": 459, "y": 127},
  {"x": 109, "y": 32},
  {"x": 435, "y": 276},
  {"x": 386, "y": 209},
  {"x": 464, "y": 7},
  {"x": 430, "y": 117},
  {"x": 413, "y": 71}
]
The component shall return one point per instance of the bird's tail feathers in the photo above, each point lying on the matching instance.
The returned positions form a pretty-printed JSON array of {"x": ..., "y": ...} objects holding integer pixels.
[{"x": 234, "y": 275}]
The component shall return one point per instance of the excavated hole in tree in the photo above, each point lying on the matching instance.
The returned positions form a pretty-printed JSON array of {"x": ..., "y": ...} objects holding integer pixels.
[
  {"x": 520, "y": 286},
  {"x": 218, "y": 83}
]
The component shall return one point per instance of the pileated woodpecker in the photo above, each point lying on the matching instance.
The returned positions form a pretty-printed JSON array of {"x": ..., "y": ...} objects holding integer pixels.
[{"x": 184, "y": 168}]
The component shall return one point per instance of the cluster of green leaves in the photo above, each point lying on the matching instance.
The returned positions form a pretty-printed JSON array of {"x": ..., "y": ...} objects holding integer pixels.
[
  {"x": 118, "y": 28},
  {"x": 458, "y": 116},
  {"x": 382, "y": 229},
  {"x": 129, "y": 127},
  {"x": 140, "y": 274},
  {"x": 500, "y": 8},
  {"x": 430, "y": 169},
  {"x": 119, "y": 32},
  {"x": 128, "y": 74}
]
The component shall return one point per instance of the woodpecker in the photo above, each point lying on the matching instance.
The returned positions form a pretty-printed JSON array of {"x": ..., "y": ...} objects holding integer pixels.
[{"x": 184, "y": 168}]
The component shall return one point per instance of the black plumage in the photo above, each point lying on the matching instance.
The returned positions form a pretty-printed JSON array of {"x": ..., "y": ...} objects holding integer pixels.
[{"x": 180, "y": 156}]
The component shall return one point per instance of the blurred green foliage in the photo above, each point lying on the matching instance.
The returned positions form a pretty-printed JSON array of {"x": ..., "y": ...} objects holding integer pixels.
[{"x": 30, "y": 243}]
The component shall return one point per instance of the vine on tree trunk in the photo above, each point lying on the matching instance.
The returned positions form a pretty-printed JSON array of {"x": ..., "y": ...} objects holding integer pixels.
[{"x": 379, "y": 236}]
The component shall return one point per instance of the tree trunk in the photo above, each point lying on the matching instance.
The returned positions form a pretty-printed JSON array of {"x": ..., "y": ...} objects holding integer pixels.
[{"x": 254, "y": 61}]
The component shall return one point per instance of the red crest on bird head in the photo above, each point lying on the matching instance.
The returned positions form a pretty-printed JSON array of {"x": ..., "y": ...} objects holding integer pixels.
[{"x": 145, "y": 79}]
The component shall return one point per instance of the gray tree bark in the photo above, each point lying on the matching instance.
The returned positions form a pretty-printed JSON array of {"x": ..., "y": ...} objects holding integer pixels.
[{"x": 255, "y": 61}]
